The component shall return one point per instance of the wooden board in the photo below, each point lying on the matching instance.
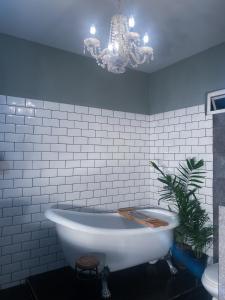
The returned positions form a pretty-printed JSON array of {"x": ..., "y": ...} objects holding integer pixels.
[{"x": 141, "y": 218}]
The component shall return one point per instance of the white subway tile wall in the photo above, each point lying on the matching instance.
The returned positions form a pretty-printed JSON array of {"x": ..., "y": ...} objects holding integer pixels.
[{"x": 60, "y": 154}]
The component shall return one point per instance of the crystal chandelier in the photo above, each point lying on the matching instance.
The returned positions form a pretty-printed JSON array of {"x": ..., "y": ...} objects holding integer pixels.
[{"x": 125, "y": 47}]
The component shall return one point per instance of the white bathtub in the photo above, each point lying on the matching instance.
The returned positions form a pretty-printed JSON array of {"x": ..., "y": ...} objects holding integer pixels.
[{"x": 123, "y": 243}]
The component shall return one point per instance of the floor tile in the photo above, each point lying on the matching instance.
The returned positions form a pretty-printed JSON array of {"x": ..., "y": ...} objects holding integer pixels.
[
  {"x": 139, "y": 283},
  {"x": 21, "y": 292}
]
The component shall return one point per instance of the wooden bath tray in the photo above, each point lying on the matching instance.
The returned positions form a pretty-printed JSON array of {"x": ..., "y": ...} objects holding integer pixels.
[{"x": 141, "y": 218}]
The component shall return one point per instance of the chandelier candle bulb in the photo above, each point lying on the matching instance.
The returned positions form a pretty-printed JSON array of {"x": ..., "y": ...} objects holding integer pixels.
[
  {"x": 92, "y": 30},
  {"x": 145, "y": 39},
  {"x": 116, "y": 46},
  {"x": 131, "y": 22},
  {"x": 110, "y": 47}
]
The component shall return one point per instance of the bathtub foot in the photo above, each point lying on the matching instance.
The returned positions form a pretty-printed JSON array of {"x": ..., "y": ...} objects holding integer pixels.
[
  {"x": 152, "y": 262},
  {"x": 105, "y": 289},
  {"x": 173, "y": 270}
]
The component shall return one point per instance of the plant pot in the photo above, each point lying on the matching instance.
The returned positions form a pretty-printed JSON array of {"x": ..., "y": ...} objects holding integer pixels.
[
  {"x": 185, "y": 259},
  {"x": 176, "y": 259}
]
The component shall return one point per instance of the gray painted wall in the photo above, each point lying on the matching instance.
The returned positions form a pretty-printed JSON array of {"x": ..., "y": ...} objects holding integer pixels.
[
  {"x": 32, "y": 70},
  {"x": 186, "y": 83}
]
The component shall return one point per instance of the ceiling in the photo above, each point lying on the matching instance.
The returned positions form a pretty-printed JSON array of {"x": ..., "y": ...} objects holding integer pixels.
[{"x": 178, "y": 28}]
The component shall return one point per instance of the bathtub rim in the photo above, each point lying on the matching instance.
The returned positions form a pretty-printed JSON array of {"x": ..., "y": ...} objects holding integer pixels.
[{"x": 53, "y": 215}]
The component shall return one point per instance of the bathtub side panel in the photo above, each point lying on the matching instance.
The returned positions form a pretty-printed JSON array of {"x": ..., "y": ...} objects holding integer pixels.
[{"x": 121, "y": 251}]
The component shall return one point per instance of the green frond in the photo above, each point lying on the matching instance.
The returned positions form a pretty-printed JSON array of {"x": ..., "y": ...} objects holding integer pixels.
[{"x": 180, "y": 190}]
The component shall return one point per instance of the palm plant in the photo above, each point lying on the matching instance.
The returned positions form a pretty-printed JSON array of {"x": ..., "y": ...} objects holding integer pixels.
[{"x": 180, "y": 191}]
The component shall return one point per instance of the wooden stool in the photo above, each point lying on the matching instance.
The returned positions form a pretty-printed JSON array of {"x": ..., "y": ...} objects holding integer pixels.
[{"x": 86, "y": 267}]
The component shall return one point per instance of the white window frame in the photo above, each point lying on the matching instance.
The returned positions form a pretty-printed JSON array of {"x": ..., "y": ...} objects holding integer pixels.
[{"x": 212, "y": 96}]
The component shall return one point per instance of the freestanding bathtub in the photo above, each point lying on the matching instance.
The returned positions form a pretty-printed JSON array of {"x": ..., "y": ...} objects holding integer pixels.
[{"x": 122, "y": 242}]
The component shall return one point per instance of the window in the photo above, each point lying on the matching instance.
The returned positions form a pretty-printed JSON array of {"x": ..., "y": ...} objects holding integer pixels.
[{"x": 216, "y": 102}]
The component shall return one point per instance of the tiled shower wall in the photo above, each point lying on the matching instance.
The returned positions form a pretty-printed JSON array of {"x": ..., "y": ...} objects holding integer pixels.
[
  {"x": 59, "y": 154},
  {"x": 221, "y": 252},
  {"x": 218, "y": 173}
]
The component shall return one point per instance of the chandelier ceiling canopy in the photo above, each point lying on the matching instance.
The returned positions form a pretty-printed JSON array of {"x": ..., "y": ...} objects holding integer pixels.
[{"x": 125, "y": 47}]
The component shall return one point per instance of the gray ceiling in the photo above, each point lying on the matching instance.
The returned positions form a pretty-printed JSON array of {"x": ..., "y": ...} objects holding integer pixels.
[{"x": 178, "y": 28}]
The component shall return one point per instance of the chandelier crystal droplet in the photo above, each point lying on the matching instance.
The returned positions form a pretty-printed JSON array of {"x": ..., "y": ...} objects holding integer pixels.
[{"x": 124, "y": 49}]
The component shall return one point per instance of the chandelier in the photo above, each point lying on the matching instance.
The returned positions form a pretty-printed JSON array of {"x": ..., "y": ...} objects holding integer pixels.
[{"x": 125, "y": 47}]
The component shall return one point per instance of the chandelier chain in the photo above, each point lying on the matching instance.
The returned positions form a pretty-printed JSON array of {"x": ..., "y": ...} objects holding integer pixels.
[{"x": 119, "y": 5}]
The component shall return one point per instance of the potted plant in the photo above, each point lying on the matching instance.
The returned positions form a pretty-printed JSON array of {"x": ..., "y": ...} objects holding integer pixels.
[{"x": 194, "y": 234}]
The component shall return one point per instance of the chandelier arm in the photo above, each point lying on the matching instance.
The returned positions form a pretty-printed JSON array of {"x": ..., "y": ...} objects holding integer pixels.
[
  {"x": 119, "y": 5},
  {"x": 137, "y": 56},
  {"x": 93, "y": 52},
  {"x": 134, "y": 61}
]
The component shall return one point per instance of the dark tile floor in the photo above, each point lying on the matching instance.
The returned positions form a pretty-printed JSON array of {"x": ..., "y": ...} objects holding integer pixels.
[
  {"x": 21, "y": 292},
  {"x": 144, "y": 282}
]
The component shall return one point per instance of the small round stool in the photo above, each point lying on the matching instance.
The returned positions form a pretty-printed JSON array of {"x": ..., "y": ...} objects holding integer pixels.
[{"x": 86, "y": 267}]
